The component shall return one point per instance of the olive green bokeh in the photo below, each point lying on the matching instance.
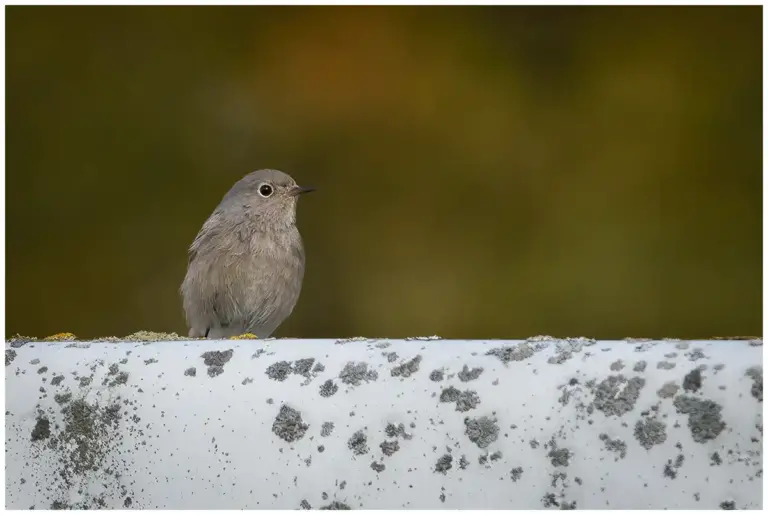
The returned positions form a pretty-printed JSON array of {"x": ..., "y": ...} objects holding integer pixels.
[{"x": 481, "y": 172}]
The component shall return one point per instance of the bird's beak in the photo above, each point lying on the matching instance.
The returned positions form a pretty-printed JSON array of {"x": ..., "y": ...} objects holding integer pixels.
[{"x": 298, "y": 190}]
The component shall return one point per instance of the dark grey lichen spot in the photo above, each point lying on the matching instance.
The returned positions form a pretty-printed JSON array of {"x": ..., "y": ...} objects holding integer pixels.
[
  {"x": 355, "y": 373},
  {"x": 279, "y": 371},
  {"x": 450, "y": 394},
  {"x": 127, "y": 502},
  {"x": 42, "y": 429},
  {"x": 617, "y": 365},
  {"x": 463, "y": 462},
  {"x": 756, "y": 373},
  {"x": 668, "y": 390},
  {"x": 85, "y": 381},
  {"x": 246, "y": 380},
  {"x": 469, "y": 375},
  {"x": 616, "y": 395},
  {"x": 519, "y": 352},
  {"x": 665, "y": 365},
  {"x": 328, "y": 388},
  {"x": 692, "y": 381},
  {"x": 640, "y": 366},
  {"x": 407, "y": 368},
  {"x": 516, "y": 473},
  {"x": 389, "y": 447},
  {"x": 319, "y": 367},
  {"x": 496, "y": 456},
  {"x": 559, "y": 457},
  {"x": 650, "y": 432},
  {"x": 150, "y": 361},
  {"x": 336, "y": 505},
  {"x": 617, "y": 446},
  {"x": 391, "y": 356},
  {"x": 728, "y": 505},
  {"x": 62, "y": 398},
  {"x": 215, "y": 360},
  {"x": 436, "y": 375},
  {"x": 696, "y": 354},
  {"x": 704, "y": 418},
  {"x": 358, "y": 443},
  {"x": 482, "y": 431},
  {"x": 56, "y": 381},
  {"x": 465, "y": 401},
  {"x": 326, "y": 429},
  {"x": 42, "y": 370},
  {"x": 444, "y": 463},
  {"x": 303, "y": 367},
  {"x": 534, "y": 443},
  {"x": 304, "y": 505},
  {"x": 191, "y": 372},
  {"x": 120, "y": 379},
  {"x": 378, "y": 467},
  {"x": 289, "y": 425},
  {"x": 10, "y": 355},
  {"x": 715, "y": 459},
  {"x": 549, "y": 499}
]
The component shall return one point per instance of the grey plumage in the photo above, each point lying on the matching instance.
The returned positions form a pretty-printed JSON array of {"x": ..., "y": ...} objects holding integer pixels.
[{"x": 246, "y": 265}]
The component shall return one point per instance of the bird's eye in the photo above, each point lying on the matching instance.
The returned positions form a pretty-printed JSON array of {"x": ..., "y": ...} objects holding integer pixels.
[{"x": 265, "y": 190}]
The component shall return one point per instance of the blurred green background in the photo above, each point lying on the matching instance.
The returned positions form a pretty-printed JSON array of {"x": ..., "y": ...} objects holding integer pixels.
[{"x": 481, "y": 172}]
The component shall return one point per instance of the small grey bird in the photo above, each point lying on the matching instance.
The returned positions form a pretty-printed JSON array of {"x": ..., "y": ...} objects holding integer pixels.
[{"x": 246, "y": 264}]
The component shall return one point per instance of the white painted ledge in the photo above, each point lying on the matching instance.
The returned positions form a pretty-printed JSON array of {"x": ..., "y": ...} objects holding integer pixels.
[{"x": 384, "y": 424}]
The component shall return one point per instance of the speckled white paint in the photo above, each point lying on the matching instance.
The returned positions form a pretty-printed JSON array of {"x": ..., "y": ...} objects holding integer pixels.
[{"x": 204, "y": 442}]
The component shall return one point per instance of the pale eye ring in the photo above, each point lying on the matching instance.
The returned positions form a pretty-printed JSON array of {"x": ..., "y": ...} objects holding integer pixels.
[{"x": 266, "y": 190}]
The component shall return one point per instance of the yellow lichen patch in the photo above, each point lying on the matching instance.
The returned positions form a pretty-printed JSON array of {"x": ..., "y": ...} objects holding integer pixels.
[
  {"x": 246, "y": 336},
  {"x": 60, "y": 337},
  {"x": 151, "y": 336}
]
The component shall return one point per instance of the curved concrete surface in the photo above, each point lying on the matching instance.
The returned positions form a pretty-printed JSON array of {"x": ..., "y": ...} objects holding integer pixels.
[{"x": 384, "y": 424}]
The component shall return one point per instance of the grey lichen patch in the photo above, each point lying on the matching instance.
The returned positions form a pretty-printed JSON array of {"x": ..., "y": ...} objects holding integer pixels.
[
  {"x": 326, "y": 429},
  {"x": 519, "y": 352},
  {"x": 215, "y": 360},
  {"x": 42, "y": 370},
  {"x": 358, "y": 443},
  {"x": 355, "y": 373},
  {"x": 85, "y": 381},
  {"x": 150, "y": 361},
  {"x": 728, "y": 505},
  {"x": 444, "y": 464},
  {"x": 616, "y": 395},
  {"x": 151, "y": 336},
  {"x": 696, "y": 354},
  {"x": 650, "y": 432},
  {"x": 336, "y": 505},
  {"x": 89, "y": 435},
  {"x": 303, "y": 367},
  {"x": 391, "y": 356},
  {"x": 617, "y": 365},
  {"x": 279, "y": 371},
  {"x": 10, "y": 355},
  {"x": 18, "y": 340},
  {"x": 42, "y": 429},
  {"x": 328, "y": 388},
  {"x": 289, "y": 425},
  {"x": 516, "y": 473},
  {"x": 665, "y": 365},
  {"x": 482, "y": 431},
  {"x": 567, "y": 348},
  {"x": 715, "y": 459},
  {"x": 436, "y": 375},
  {"x": 559, "y": 457},
  {"x": 56, "y": 381},
  {"x": 704, "y": 417},
  {"x": 465, "y": 401},
  {"x": 378, "y": 467},
  {"x": 614, "y": 445},
  {"x": 304, "y": 505},
  {"x": 469, "y": 375},
  {"x": 670, "y": 468},
  {"x": 407, "y": 368},
  {"x": 62, "y": 398},
  {"x": 692, "y": 381},
  {"x": 191, "y": 372},
  {"x": 389, "y": 447},
  {"x": 669, "y": 389},
  {"x": 756, "y": 373},
  {"x": 393, "y": 431},
  {"x": 640, "y": 366}
]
